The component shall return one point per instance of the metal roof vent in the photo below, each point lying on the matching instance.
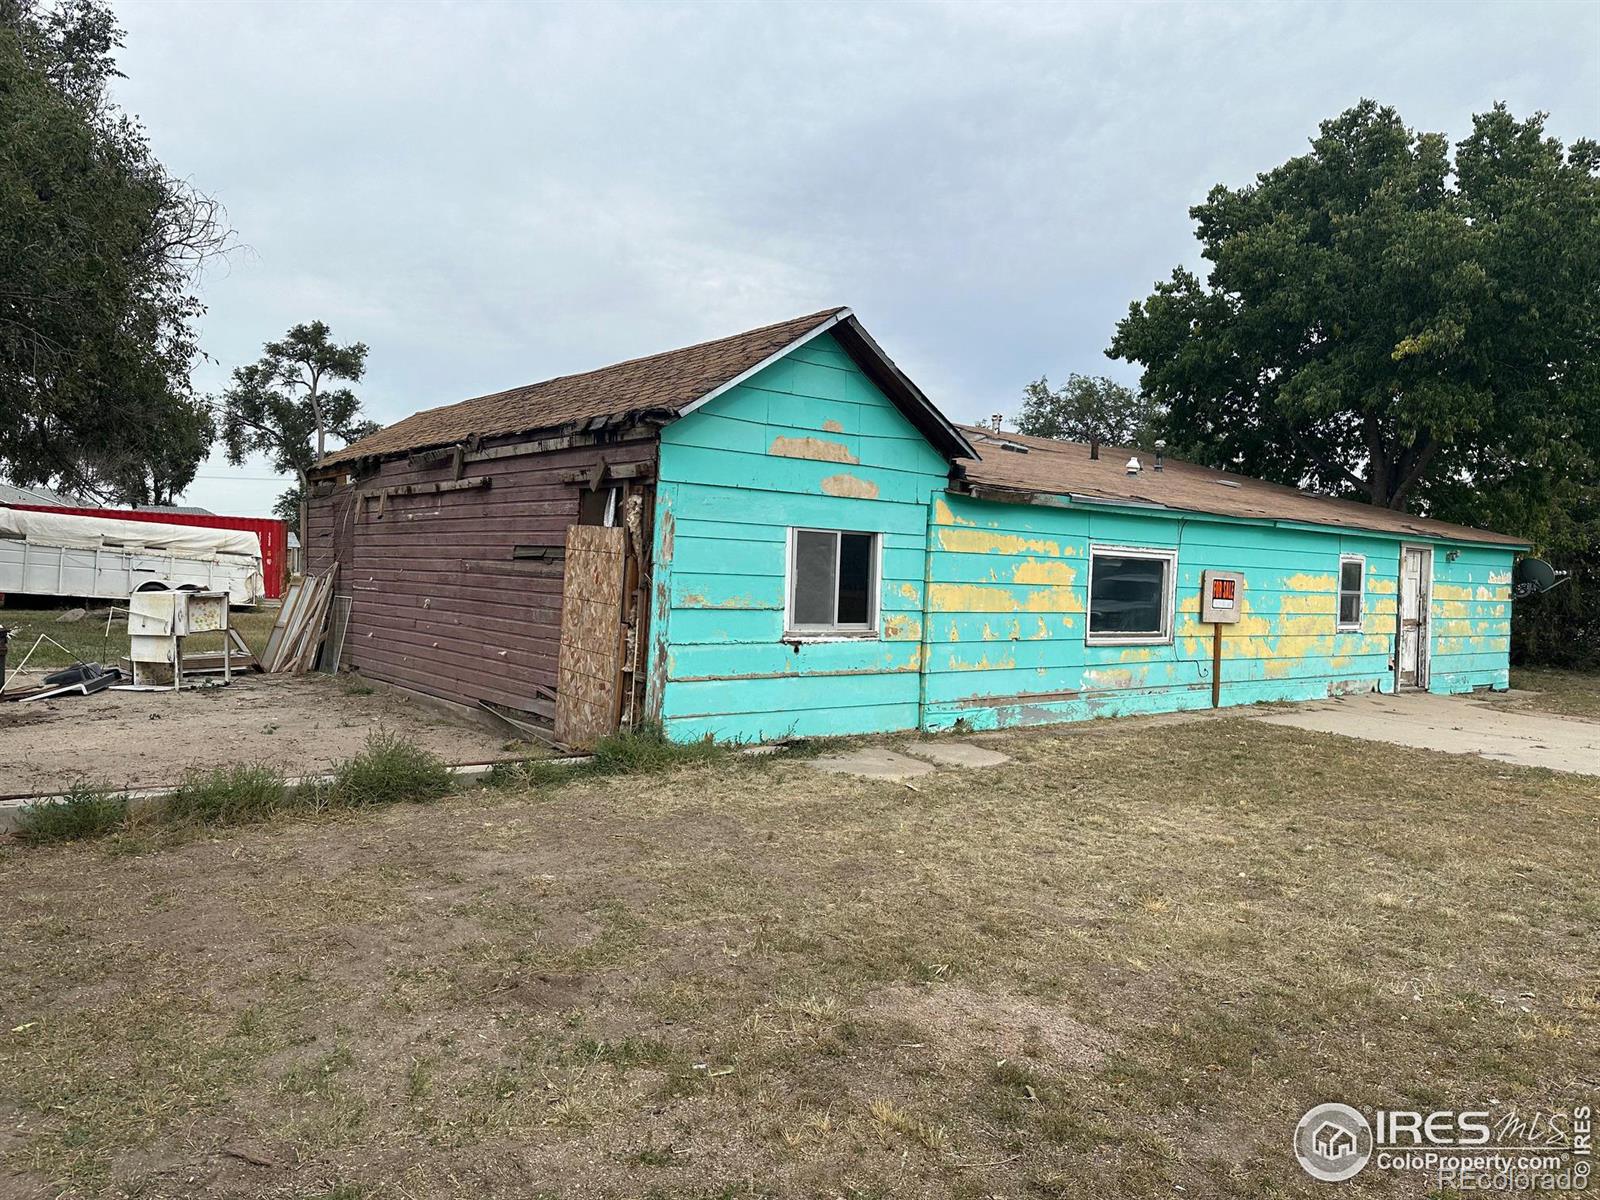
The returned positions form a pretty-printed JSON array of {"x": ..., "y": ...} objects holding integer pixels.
[{"x": 1133, "y": 466}]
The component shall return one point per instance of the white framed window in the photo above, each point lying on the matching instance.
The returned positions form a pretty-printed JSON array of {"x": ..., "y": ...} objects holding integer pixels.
[
  {"x": 1352, "y": 589},
  {"x": 833, "y": 584},
  {"x": 1130, "y": 595}
]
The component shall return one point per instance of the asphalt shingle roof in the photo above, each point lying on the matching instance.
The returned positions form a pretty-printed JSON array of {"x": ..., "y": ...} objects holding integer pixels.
[
  {"x": 1065, "y": 469},
  {"x": 666, "y": 382}
]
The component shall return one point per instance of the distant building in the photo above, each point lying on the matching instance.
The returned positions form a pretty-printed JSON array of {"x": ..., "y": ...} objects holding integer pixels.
[
  {"x": 183, "y": 510},
  {"x": 12, "y": 494}
]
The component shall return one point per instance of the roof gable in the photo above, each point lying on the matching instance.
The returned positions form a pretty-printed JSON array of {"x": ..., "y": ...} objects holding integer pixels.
[{"x": 666, "y": 385}]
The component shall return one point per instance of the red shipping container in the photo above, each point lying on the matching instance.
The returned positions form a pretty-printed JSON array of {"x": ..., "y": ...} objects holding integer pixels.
[{"x": 274, "y": 535}]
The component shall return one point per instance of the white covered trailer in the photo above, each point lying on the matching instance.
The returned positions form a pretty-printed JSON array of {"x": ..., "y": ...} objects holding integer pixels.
[{"x": 99, "y": 558}]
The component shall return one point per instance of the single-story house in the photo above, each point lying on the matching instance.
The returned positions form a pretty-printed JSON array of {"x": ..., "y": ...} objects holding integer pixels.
[{"x": 777, "y": 533}]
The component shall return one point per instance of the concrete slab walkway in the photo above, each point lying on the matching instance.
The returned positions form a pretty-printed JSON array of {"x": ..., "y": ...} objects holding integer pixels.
[
  {"x": 957, "y": 754},
  {"x": 1455, "y": 725},
  {"x": 873, "y": 762}
]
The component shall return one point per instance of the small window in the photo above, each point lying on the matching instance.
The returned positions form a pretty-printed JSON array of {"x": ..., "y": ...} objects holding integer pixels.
[
  {"x": 598, "y": 507},
  {"x": 1130, "y": 595},
  {"x": 833, "y": 582},
  {"x": 1352, "y": 583}
]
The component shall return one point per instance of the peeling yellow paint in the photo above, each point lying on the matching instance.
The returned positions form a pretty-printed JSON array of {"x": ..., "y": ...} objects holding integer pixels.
[
  {"x": 849, "y": 485},
  {"x": 902, "y": 629},
  {"x": 1308, "y": 605},
  {"x": 1114, "y": 677},
  {"x": 978, "y": 541},
  {"x": 1383, "y": 587},
  {"x": 955, "y": 632},
  {"x": 832, "y": 426},
  {"x": 908, "y": 591},
  {"x": 1499, "y": 576},
  {"x": 699, "y": 600},
  {"x": 1312, "y": 583},
  {"x": 1136, "y": 654},
  {"x": 819, "y": 449},
  {"x": 1044, "y": 631},
  {"x": 942, "y": 514},
  {"x": 976, "y": 597},
  {"x": 982, "y": 664},
  {"x": 1034, "y": 570}
]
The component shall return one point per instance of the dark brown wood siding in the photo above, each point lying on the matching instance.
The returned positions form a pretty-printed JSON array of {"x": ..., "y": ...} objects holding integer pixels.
[{"x": 438, "y": 602}]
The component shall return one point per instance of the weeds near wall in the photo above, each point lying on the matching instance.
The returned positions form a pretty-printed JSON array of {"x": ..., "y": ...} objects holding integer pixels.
[
  {"x": 231, "y": 795},
  {"x": 390, "y": 770},
  {"x": 642, "y": 751},
  {"x": 647, "y": 749},
  {"x": 87, "y": 810}
]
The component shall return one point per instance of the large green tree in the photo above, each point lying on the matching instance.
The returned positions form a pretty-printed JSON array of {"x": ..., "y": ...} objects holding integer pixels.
[
  {"x": 99, "y": 251},
  {"x": 1384, "y": 320},
  {"x": 1089, "y": 408},
  {"x": 286, "y": 406}
]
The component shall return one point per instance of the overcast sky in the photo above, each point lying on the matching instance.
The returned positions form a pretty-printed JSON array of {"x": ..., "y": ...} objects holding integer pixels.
[{"x": 492, "y": 194}]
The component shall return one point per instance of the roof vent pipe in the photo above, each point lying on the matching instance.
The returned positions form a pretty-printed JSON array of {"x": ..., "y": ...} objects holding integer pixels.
[
  {"x": 1133, "y": 466},
  {"x": 1161, "y": 452},
  {"x": 1094, "y": 448},
  {"x": 994, "y": 421}
]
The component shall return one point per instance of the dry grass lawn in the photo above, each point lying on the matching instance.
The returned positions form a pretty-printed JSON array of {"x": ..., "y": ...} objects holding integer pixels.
[
  {"x": 1123, "y": 965},
  {"x": 1569, "y": 693}
]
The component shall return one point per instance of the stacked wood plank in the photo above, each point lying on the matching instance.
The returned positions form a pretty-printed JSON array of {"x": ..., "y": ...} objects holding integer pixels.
[{"x": 302, "y": 624}]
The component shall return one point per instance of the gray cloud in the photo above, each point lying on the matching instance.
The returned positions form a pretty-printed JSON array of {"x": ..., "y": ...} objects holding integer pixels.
[{"x": 493, "y": 194}]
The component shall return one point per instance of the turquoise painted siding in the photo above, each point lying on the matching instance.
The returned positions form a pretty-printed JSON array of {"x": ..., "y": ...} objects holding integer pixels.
[
  {"x": 1471, "y": 619},
  {"x": 982, "y": 604},
  {"x": 1007, "y": 615},
  {"x": 807, "y": 442}
]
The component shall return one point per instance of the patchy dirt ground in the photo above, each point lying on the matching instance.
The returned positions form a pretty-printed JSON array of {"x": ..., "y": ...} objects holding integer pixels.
[
  {"x": 1122, "y": 965},
  {"x": 140, "y": 739}
]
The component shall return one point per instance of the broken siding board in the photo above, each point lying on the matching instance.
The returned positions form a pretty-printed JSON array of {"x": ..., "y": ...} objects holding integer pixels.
[
  {"x": 698, "y": 499},
  {"x": 775, "y": 726},
  {"x": 588, "y": 689},
  {"x": 783, "y": 474},
  {"x": 838, "y": 659}
]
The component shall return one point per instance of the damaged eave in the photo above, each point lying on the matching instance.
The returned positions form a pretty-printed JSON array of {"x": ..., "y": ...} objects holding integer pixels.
[{"x": 541, "y": 440}]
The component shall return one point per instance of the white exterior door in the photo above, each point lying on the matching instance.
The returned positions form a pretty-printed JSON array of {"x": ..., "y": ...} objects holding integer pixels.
[{"x": 1416, "y": 587}]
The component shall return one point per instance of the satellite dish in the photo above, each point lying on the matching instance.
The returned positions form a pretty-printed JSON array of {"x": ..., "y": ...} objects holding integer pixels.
[{"x": 1533, "y": 576}]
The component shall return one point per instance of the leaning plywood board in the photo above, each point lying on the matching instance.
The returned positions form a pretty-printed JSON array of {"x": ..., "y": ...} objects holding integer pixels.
[{"x": 590, "y": 665}]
